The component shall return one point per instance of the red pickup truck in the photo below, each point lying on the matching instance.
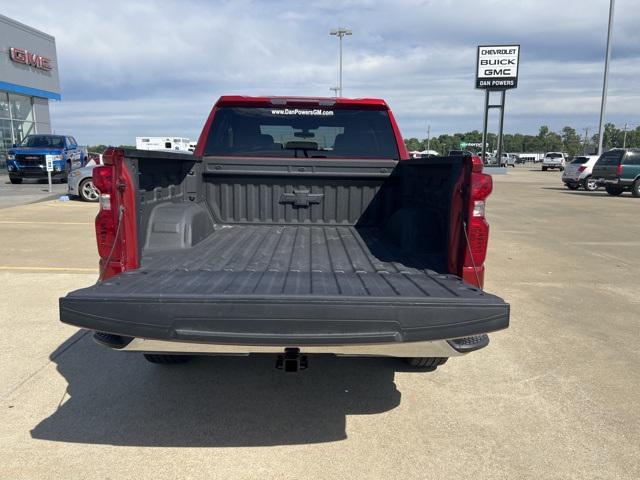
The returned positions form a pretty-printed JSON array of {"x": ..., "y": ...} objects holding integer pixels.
[{"x": 299, "y": 226}]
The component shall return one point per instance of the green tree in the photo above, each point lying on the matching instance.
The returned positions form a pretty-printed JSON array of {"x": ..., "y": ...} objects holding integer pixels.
[
  {"x": 571, "y": 141},
  {"x": 412, "y": 144}
]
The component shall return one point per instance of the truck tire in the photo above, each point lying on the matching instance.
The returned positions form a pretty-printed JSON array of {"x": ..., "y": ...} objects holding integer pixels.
[
  {"x": 544, "y": 169},
  {"x": 613, "y": 190},
  {"x": 590, "y": 184},
  {"x": 429, "y": 363},
  {"x": 571, "y": 186},
  {"x": 15, "y": 181},
  {"x": 162, "y": 359},
  {"x": 635, "y": 188}
]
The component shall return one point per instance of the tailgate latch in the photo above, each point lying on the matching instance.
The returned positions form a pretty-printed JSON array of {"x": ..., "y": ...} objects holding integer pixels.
[{"x": 301, "y": 198}]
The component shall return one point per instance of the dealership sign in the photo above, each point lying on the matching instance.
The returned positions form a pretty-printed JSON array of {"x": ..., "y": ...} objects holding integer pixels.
[
  {"x": 497, "y": 66},
  {"x": 20, "y": 55}
]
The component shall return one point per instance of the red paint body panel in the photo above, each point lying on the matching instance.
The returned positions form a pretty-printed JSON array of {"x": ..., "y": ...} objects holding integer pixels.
[
  {"x": 202, "y": 140},
  {"x": 402, "y": 148}
]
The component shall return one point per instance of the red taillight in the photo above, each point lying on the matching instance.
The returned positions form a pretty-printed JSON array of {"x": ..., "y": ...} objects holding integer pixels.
[
  {"x": 476, "y": 164},
  {"x": 106, "y": 220},
  {"x": 478, "y": 233},
  {"x": 619, "y": 172},
  {"x": 581, "y": 168},
  {"x": 109, "y": 247},
  {"x": 477, "y": 229},
  {"x": 481, "y": 186},
  {"x": 103, "y": 178}
]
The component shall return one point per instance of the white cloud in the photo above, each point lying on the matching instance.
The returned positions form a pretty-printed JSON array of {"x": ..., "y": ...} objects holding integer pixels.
[{"x": 129, "y": 68}]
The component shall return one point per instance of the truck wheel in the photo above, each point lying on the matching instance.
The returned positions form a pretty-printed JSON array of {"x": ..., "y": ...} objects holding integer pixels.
[
  {"x": 166, "y": 359},
  {"x": 590, "y": 184},
  {"x": 571, "y": 186},
  {"x": 613, "y": 190},
  {"x": 15, "y": 181},
  {"x": 635, "y": 188},
  {"x": 87, "y": 191},
  {"x": 429, "y": 363},
  {"x": 544, "y": 169}
]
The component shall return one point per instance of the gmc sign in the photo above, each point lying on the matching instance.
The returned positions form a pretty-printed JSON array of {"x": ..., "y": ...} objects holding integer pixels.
[{"x": 20, "y": 55}]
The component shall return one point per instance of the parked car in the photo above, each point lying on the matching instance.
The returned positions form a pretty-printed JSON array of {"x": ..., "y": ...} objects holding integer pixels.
[
  {"x": 81, "y": 184},
  {"x": 578, "y": 173},
  {"x": 619, "y": 170},
  {"x": 278, "y": 237},
  {"x": 553, "y": 160},
  {"x": 28, "y": 159},
  {"x": 492, "y": 161},
  {"x": 509, "y": 160}
]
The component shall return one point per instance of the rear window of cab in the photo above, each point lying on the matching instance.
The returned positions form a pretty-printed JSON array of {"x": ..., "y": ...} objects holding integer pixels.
[{"x": 302, "y": 133}]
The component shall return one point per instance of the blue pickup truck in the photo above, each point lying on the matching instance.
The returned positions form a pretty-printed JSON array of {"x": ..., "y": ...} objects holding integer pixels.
[{"x": 28, "y": 159}]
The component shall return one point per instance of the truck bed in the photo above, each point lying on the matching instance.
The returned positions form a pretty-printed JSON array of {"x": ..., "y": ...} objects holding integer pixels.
[
  {"x": 291, "y": 252},
  {"x": 267, "y": 284}
]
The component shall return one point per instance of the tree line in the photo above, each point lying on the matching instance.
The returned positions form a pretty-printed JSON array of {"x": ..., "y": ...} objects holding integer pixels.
[
  {"x": 567, "y": 140},
  {"x": 101, "y": 148}
]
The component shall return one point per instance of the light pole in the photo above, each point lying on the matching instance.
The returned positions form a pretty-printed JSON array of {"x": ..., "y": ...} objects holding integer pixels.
[
  {"x": 624, "y": 141},
  {"x": 335, "y": 90},
  {"x": 428, "y": 138},
  {"x": 586, "y": 140},
  {"x": 606, "y": 77},
  {"x": 341, "y": 32}
]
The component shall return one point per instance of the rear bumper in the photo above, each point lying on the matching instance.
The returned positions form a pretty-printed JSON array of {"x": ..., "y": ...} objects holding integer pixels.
[
  {"x": 436, "y": 348},
  {"x": 614, "y": 181},
  {"x": 293, "y": 322}
]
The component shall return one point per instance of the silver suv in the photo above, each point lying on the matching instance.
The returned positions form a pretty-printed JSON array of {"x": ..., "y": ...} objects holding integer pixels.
[
  {"x": 578, "y": 173},
  {"x": 553, "y": 160}
]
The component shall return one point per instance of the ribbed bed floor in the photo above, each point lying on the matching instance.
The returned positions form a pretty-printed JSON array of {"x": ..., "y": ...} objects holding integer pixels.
[{"x": 291, "y": 260}]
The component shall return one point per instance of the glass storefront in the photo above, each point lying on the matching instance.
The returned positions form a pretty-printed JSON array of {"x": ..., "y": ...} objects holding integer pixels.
[{"x": 17, "y": 120}]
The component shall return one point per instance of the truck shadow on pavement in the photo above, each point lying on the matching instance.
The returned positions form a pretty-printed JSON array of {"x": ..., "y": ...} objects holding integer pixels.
[{"x": 118, "y": 398}]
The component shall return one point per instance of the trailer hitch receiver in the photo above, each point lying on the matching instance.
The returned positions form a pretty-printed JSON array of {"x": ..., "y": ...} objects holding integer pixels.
[{"x": 291, "y": 361}]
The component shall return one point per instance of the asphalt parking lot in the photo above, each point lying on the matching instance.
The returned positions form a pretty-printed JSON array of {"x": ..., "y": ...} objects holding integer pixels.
[
  {"x": 28, "y": 192},
  {"x": 557, "y": 395}
]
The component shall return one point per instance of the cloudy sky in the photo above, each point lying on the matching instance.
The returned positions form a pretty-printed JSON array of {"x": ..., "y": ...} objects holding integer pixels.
[{"x": 132, "y": 68}]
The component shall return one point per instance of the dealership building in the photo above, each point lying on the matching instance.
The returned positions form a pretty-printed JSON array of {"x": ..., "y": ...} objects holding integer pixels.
[{"x": 28, "y": 81}]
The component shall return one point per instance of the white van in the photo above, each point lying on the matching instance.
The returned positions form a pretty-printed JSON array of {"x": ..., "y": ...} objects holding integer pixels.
[{"x": 163, "y": 144}]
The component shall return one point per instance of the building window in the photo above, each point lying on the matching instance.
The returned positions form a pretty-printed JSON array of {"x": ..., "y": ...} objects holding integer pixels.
[
  {"x": 21, "y": 107},
  {"x": 5, "y": 136},
  {"x": 17, "y": 120},
  {"x": 4, "y": 105},
  {"x": 22, "y": 129}
]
